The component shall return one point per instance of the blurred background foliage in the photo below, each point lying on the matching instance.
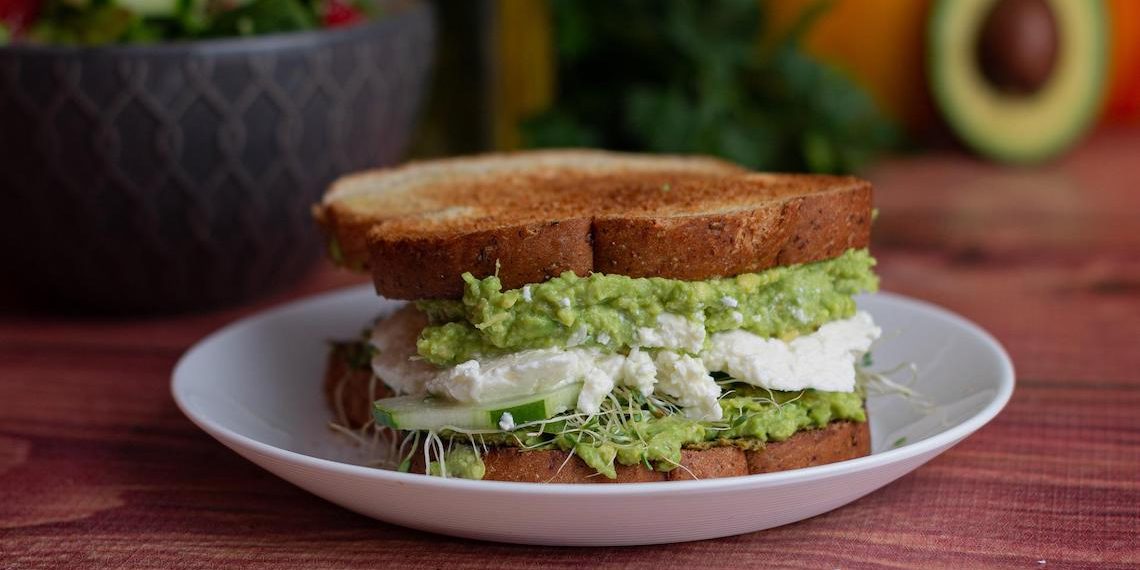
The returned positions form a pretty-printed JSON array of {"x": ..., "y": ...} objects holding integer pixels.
[
  {"x": 678, "y": 76},
  {"x": 792, "y": 85},
  {"x": 723, "y": 78}
]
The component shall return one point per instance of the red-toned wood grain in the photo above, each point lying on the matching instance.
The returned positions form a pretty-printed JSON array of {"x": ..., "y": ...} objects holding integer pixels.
[{"x": 99, "y": 469}]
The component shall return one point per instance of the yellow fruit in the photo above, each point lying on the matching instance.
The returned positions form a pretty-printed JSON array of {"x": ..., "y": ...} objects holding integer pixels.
[
  {"x": 879, "y": 43},
  {"x": 524, "y": 82}
]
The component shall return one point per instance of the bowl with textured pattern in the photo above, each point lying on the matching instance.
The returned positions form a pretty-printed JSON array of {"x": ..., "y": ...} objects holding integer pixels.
[{"x": 179, "y": 176}]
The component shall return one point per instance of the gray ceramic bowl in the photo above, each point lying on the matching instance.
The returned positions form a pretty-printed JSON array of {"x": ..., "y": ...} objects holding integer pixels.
[{"x": 179, "y": 176}]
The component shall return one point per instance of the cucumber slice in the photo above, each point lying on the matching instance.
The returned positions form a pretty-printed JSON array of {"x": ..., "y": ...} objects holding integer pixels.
[{"x": 419, "y": 412}]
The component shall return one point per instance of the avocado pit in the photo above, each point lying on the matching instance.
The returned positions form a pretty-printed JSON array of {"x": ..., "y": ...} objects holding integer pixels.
[{"x": 1017, "y": 45}]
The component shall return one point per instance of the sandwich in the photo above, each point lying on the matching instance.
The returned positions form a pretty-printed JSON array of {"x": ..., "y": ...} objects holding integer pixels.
[{"x": 583, "y": 316}]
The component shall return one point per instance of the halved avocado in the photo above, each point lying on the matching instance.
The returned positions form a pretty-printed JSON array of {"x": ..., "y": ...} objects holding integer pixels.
[{"x": 1018, "y": 80}]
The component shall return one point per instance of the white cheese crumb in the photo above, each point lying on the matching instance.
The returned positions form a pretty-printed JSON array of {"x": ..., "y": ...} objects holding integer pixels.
[
  {"x": 565, "y": 302},
  {"x": 516, "y": 374},
  {"x": 598, "y": 377},
  {"x": 736, "y": 316},
  {"x": 507, "y": 422},
  {"x": 729, "y": 302},
  {"x": 686, "y": 379},
  {"x": 800, "y": 315},
  {"x": 577, "y": 337},
  {"x": 673, "y": 332},
  {"x": 638, "y": 371},
  {"x": 823, "y": 360},
  {"x": 603, "y": 338},
  {"x": 527, "y": 295}
]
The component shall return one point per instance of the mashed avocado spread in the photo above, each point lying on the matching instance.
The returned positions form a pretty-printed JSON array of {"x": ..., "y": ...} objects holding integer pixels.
[
  {"x": 606, "y": 311},
  {"x": 752, "y": 417},
  {"x": 460, "y": 461}
]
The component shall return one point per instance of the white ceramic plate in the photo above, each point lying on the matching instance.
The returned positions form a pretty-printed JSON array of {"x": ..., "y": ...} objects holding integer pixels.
[{"x": 255, "y": 386}]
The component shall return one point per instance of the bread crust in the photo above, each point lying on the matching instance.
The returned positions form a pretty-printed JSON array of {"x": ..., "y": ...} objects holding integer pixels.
[
  {"x": 430, "y": 267},
  {"x": 838, "y": 441},
  {"x": 684, "y": 220},
  {"x": 347, "y": 389},
  {"x": 694, "y": 247}
]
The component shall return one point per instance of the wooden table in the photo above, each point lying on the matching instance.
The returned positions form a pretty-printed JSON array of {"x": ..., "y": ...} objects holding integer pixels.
[{"x": 99, "y": 469}]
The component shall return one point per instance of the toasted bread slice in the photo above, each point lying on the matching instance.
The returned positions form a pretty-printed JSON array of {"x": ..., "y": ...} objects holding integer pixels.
[
  {"x": 432, "y": 190},
  {"x": 838, "y": 441},
  {"x": 347, "y": 392},
  {"x": 532, "y": 216}
]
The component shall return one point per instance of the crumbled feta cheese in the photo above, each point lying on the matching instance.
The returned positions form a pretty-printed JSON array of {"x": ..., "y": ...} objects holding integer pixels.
[
  {"x": 823, "y": 360},
  {"x": 531, "y": 372},
  {"x": 564, "y": 302},
  {"x": 800, "y": 314},
  {"x": 507, "y": 422},
  {"x": 729, "y": 302},
  {"x": 603, "y": 338},
  {"x": 527, "y": 295},
  {"x": 686, "y": 379},
  {"x": 738, "y": 317},
  {"x": 673, "y": 332},
  {"x": 577, "y": 337},
  {"x": 598, "y": 381},
  {"x": 638, "y": 371},
  {"x": 516, "y": 374}
]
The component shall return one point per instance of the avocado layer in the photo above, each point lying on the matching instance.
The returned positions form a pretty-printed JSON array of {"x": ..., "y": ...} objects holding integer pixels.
[
  {"x": 1011, "y": 124},
  {"x": 751, "y": 418},
  {"x": 606, "y": 311}
]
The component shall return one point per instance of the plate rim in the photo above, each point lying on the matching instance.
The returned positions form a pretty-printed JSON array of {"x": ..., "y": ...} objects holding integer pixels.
[{"x": 229, "y": 438}]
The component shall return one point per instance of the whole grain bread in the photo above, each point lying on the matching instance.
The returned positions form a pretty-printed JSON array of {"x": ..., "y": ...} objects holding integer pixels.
[
  {"x": 838, "y": 441},
  {"x": 350, "y": 393},
  {"x": 531, "y": 216}
]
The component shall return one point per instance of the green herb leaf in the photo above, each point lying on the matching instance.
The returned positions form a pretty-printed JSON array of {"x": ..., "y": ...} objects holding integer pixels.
[
  {"x": 263, "y": 17},
  {"x": 94, "y": 22},
  {"x": 677, "y": 76}
]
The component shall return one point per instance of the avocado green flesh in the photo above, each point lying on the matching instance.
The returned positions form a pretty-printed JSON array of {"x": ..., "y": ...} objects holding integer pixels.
[
  {"x": 460, "y": 461},
  {"x": 1016, "y": 127},
  {"x": 779, "y": 302},
  {"x": 751, "y": 418}
]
